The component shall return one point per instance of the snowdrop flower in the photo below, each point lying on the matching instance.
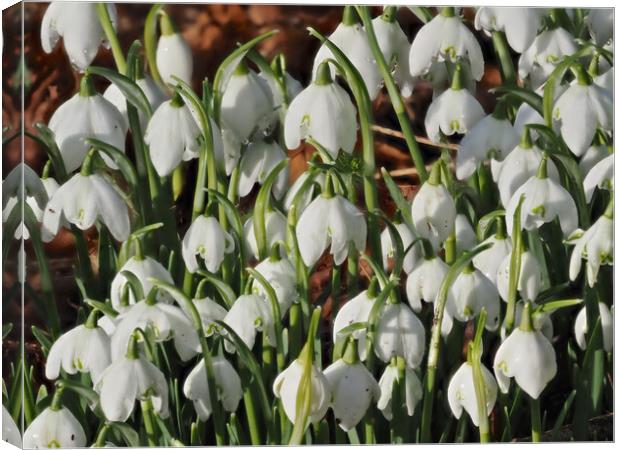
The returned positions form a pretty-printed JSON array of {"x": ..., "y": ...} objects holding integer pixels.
[
  {"x": 595, "y": 245},
  {"x": 540, "y": 59},
  {"x": 143, "y": 268},
  {"x": 209, "y": 311},
  {"x": 131, "y": 377},
  {"x": 206, "y": 237},
  {"x": 407, "y": 235},
  {"x": 520, "y": 24},
  {"x": 173, "y": 55},
  {"x": 462, "y": 393},
  {"x": 247, "y": 105},
  {"x": 306, "y": 197},
  {"x": 163, "y": 320},
  {"x": 413, "y": 388},
  {"x": 172, "y": 135},
  {"x": 55, "y": 427},
  {"x": 501, "y": 246},
  {"x": 526, "y": 115},
  {"x": 10, "y": 431},
  {"x": 541, "y": 321},
  {"x": 445, "y": 38},
  {"x": 424, "y": 281},
  {"x": 606, "y": 81},
  {"x": 530, "y": 276},
  {"x": 257, "y": 162},
  {"x": 293, "y": 87},
  {"x": 544, "y": 200},
  {"x": 79, "y": 26},
  {"x": 152, "y": 92},
  {"x": 600, "y": 22},
  {"x": 281, "y": 275},
  {"x": 86, "y": 115},
  {"x": 591, "y": 157},
  {"x": 607, "y": 325},
  {"x": 433, "y": 210},
  {"x": 490, "y": 138},
  {"x": 400, "y": 333},
  {"x": 454, "y": 111},
  {"x": 465, "y": 235},
  {"x": 275, "y": 228},
  {"x": 440, "y": 78},
  {"x": 356, "y": 310},
  {"x": 324, "y": 112},
  {"x": 286, "y": 387},
  {"x": 330, "y": 219},
  {"x": 581, "y": 109},
  {"x": 350, "y": 37},
  {"x": 84, "y": 349},
  {"x": 526, "y": 355},
  {"x": 228, "y": 387},
  {"x": 83, "y": 200},
  {"x": 247, "y": 316},
  {"x": 353, "y": 388},
  {"x": 601, "y": 176}
]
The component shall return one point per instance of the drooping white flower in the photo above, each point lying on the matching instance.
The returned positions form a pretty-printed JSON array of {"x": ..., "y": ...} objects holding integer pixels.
[
  {"x": 547, "y": 50},
  {"x": 413, "y": 390},
  {"x": 424, "y": 281},
  {"x": 595, "y": 245},
  {"x": 593, "y": 155},
  {"x": 10, "y": 431},
  {"x": 400, "y": 333},
  {"x": 55, "y": 428},
  {"x": 228, "y": 387},
  {"x": 281, "y": 275},
  {"x": 207, "y": 238},
  {"x": 275, "y": 228},
  {"x": 293, "y": 87},
  {"x": 86, "y": 115},
  {"x": 528, "y": 356},
  {"x": 465, "y": 235},
  {"x": 324, "y": 112},
  {"x": 520, "y": 24},
  {"x": 527, "y": 115},
  {"x": 440, "y": 77},
  {"x": 407, "y": 235},
  {"x": 601, "y": 176},
  {"x": 530, "y": 276},
  {"x": 247, "y": 316},
  {"x": 356, "y": 310},
  {"x": 462, "y": 393},
  {"x": 606, "y": 81},
  {"x": 581, "y": 109},
  {"x": 394, "y": 45},
  {"x": 79, "y": 26},
  {"x": 209, "y": 311},
  {"x": 328, "y": 220},
  {"x": 83, "y": 200},
  {"x": 607, "y": 327},
  {"x": 541, "y": 321},
  {"x": 257, "y": 162},
  {"x": 143, "y": 268},
  {"x": 353, "y": 390},
  {"x": 286, "y": 387},
  {"x": 490, "y": 138},
  {"x": 306, "y": 196},
  {"x": 600, "y": 22},
  {"x": 486, "y": 260},
  {"x": 151, "y": 91},
  {"x": 173, "y": 55},
  {"x": 445, "y": 38}
]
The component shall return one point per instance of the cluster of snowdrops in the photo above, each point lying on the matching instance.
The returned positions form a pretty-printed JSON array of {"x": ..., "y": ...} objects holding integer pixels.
[{"x": 467, "y": 300}]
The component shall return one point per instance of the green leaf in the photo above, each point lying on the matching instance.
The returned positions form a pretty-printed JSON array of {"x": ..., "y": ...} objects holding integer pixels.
[
  {"x": 105, "y": 308},
  {"x": 562, "y": 416},
  {"x": 397, "y": 243},
  {"x": 121, "y": 160},
  {"x": 134, "y": 284},
  {"x": 228, "y": 295},
  {"x": 150, "y": 42},
  {"x": 130, "y": 90},
  {"x": 401, "y": 203},
  {"x": 357, "y": 326},
  {"x": 6, "y": 329},
  {"x": 127, "y": 433},
  {"x": 526, "y": 95},
  {"x": 48, "y": 140},
  {"x": 147, "y": 229},
  {"x": 554, "y": 305},
  {"x": 43, "y": 338},
  {"x": 421, "y": 12},
  {"x": 485, "y": 221}
]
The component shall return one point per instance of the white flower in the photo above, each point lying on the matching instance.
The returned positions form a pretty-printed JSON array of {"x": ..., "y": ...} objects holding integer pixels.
[
  {"x": 433, "y": 211},
  {"x": 400, "y": 333},
  {"x": 228, "y": 387},
  {"x": 281, "y": 275},
  {"x": 247, "y": 105},
  {"x": 526, "y": 115},
  {"x": 293, "y": 87},
  {"x": 601, "y": 24},
  {"x": 440, "y": 78},
  {"x": 519, "y": 24},
  {"x": 173, "y": 55},
  {"x": 547, "y": 50},
  {"x": 595, "y": 245},
  {"x": 257, "y": 162},
  {"x": 163, "y": 320},
  {"x": 528, "y": 356},
  {"x": 591, "y": 157},
  {"x": 54, "y": 429},
  {"x": 275, "y": 229},
  {"x": 581, "y": 110},
  {"x": 172, "y": 135},
  {"x": 209, "y": 311},
  {"x": 353, "y": 389},
  {"x": 462, "y": 393},
  {"x": 10, "y": 431},
  {"x": 324, "y": 112},
  {"x": 541, "y": 321},
  {"x": 207, "y": 238},
  {"x": 413, "y": 390},
  {"x": 306, "y": 197},
  {"x": 247, "y": 316},
  {"x": 606, "y": 81},
  {"x": 79, "y": 26},
  {"x": 86, "y": 115},
  {"x": 530, "y": 276},
  {"x": 356, "y": 310},
  {"x": 85, "y": 349},
  {"x": 151, "y": 91},
  {"x": 394, "y": 45},
  {"x": 465, "y": 235},
  {"x": 407, "y": 235},
  {"x": 326, "y": 220},
  {"x": 82, "y": 201},
  {"x": 424, "y": 281},
  {"x": 486, "y": 260},
  {"x": 601, "y": 176},
  {"x": 445, "y": 38},
  {"x": 143, "y": 268},
  {"x": 470, "y": 292},
  {"x": 286, "y": 386},
  {"x": 607, "y": 326},
  {"x": 490, "y": 138}
]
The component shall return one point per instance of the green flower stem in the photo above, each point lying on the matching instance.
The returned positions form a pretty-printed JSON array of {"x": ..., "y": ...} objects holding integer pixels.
[
  {"x": 251, "y": 413},
  {"x": 110, "y": 34},
  {"x": 535, "y": 418},
  {"x": 515, "y": 269},
  {"x": 100, "y": 441},
  {"x": 335, "y": 289},
  {"x": 295, "y": 329},
  {"x": 149, "y": 422},
  {"x": 56, "y": 404},
  {"x": 395, "y": 96},
  {"x": 505, "y": 58},
  {"x": 84, "y": 264},
  {"x": 473, "y": 356}
]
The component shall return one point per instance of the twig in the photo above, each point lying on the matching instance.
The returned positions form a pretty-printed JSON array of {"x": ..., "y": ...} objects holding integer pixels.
[{"x": 422, "y": 140}]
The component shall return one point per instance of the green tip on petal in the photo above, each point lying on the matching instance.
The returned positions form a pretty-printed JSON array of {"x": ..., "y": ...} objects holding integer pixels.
[{"x": 323, "y": 74}]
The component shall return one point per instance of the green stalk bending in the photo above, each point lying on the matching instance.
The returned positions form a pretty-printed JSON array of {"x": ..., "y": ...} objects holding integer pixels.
[{"x": 110, "y": 34}]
